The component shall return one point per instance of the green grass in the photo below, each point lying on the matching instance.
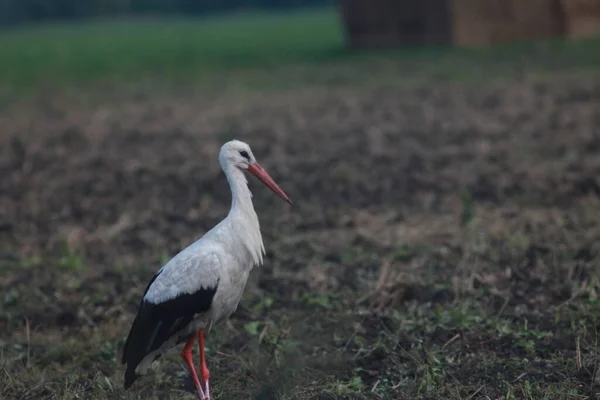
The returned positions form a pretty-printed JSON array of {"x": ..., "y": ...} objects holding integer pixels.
[
  {"x": 248, "y": 51},
  {"x": 172, "y": 47}
]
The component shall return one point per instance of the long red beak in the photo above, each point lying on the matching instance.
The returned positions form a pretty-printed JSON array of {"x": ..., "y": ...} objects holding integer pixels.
[{"x": 262, "y": 175}]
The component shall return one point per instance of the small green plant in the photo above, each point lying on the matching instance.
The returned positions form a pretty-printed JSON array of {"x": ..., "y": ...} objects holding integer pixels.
[
  {"x": 323, "y": 300},
  {"x": 264, "y": 304},
  {"x": 468, "y": 212},
  {"x": 252, "y": 328},
  {"x": 163, "y": 257},
  {"x": 352, "y": 386},
  {"x": 69, "y": 259}
]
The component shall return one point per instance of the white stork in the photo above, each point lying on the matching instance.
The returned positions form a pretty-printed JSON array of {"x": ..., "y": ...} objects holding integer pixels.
[{"x": 203, "y": 284}]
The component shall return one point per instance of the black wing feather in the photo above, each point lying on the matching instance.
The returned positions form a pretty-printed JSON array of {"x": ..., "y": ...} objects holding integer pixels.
[
  {"x": 135, "y": 321},
  {"x": 156, "y": 323}
]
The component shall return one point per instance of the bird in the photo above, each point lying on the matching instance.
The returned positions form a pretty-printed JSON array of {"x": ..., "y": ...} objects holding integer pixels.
[{"x": 201, "y": 285}]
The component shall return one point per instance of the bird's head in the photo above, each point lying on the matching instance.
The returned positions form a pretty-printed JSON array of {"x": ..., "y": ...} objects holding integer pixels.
[{"x": 238, "y": 154}]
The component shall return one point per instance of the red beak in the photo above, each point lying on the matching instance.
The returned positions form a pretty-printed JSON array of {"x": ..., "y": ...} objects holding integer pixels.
[{"x": 262, "y": 175}]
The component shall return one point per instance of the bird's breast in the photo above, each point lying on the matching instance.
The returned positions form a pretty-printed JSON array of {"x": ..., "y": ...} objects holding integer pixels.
[{"x": 229, "y": 293}]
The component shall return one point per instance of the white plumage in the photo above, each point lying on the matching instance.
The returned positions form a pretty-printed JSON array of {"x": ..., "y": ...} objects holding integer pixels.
[{"x": 203, "y": 284}]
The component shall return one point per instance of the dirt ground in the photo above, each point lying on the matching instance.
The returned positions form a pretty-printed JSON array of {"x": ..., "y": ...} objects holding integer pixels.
[{"x": 443, "y": 242}]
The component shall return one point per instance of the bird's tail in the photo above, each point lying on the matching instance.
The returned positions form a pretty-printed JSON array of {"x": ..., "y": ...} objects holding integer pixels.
[{"x": 130, "y": 377}]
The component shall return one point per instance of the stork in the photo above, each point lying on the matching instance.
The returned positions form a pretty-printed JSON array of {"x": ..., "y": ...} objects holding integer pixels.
[{"x": 203, "y": 284}]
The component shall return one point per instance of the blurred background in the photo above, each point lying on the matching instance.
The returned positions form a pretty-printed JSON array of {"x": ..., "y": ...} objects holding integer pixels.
[{"x": 442, "y": 156}]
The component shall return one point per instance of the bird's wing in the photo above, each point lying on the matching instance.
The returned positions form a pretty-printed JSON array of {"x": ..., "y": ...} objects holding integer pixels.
[{"x": 181, "y": 290}]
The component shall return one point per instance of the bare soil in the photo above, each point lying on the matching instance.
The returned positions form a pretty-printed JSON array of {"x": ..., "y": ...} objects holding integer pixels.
[{"x": 443, "y": 242}]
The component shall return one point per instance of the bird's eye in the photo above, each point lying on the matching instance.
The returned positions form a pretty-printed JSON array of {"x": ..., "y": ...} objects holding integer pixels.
[{"x": 244, "y": 154}]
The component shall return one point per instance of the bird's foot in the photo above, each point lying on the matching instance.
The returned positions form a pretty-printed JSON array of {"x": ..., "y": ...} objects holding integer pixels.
[
  {"x": 203, "y": 390},
  {"x": 202, "y": 395},
  {"x": 206, "y": 391}
]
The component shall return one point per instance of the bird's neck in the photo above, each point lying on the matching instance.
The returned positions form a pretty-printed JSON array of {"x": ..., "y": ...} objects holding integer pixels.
[
  {"x": 241, "y": 196},
  {"x": 242, "y": 211}
]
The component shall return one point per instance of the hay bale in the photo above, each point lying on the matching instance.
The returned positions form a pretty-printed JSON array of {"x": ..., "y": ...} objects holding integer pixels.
[
  {"x": 390, "y": 23},
  {"x": 581, "y": 17},
  {"x": 401, "y": 23},
  {"x": 473, "y": 21},
  {"x": 535, "y": 19},
  {"x": 485, "y": 22}
]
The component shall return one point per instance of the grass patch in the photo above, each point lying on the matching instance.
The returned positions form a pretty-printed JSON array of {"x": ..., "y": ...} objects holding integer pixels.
[
  {"x": 124, "y": 49},
  {"x": 255, "y": 51}
]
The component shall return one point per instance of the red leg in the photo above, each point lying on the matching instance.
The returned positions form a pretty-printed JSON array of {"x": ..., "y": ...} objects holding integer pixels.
[
  {"x": 204, "y": 373},
  {"x": 186, "y": 354}
]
